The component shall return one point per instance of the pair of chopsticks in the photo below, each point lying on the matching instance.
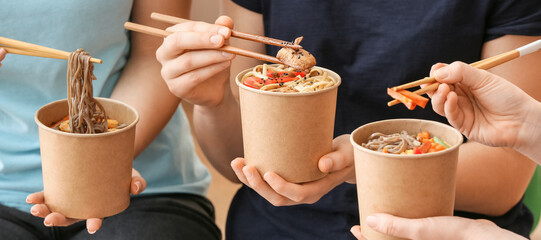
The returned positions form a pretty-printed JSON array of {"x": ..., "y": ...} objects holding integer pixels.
[
  {"x": 483, "y": 64},
  {"x": 226, "y": 48},
  {"x": 23, "y": 48}
]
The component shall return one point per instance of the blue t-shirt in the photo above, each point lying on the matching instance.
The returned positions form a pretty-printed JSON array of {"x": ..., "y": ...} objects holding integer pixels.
[
  {"x": 374, "y": 45},
  {"x": 169, "y": 164}
]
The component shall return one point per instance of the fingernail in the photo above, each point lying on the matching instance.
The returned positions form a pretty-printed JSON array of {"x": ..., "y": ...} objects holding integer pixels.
[
  {"x": 372, "y": 221},
  {"x": 137, "y": 187},
  {"x": 216, "y": 39},
  {"x": 33, "y": 211},
  {"x": 92, "y": 232},
  {"x": 442, "y": 73},
  {"x": 227, "y": 55},
  {"x": 48, "y": 224},
  {"x": 223, "y": 31},
  {"x": 28, "y": 200}
]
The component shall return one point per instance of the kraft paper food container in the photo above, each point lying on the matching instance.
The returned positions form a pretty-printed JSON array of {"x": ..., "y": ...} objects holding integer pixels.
[
  {"x": 87, "y": 175},
  {"x": 411, "y": 186},
  {"x": 287, "y": 133}
]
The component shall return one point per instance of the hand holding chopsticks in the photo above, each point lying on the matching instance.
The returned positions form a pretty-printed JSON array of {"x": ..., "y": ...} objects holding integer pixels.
[
  {"x": 23, "y": 48},
  {"x": 226, "y": 48},
  {"x": 398, "y": 92}
]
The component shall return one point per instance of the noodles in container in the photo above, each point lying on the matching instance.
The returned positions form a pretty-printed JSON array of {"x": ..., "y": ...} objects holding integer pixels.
[
  {"x": 287, "y": 119},
  {"x": 86, "y": 166},
  {"x": 404, "y": 168},
  {"x": 279, "y": 78},
  {"x": 85, "y": 114},
  {"x": 403, "y": 143}
]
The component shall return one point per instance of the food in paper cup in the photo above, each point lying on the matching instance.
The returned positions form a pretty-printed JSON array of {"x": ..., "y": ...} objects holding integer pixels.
[{"x": 287, "y": 130}]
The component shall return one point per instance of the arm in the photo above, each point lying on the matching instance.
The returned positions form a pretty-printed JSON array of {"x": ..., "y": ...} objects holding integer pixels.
[
  {"x": 140, "y": 84},
  {"x": 477, "y": 186},
  {"x": 218, "y": 128}
]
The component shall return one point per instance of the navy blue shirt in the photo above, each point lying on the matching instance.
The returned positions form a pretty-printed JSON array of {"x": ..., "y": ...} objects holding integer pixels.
[{"x": 374, "y": 45}]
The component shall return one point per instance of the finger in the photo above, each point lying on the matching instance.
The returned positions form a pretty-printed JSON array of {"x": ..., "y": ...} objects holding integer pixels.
[
  {"x": 138, "y": 183},
  {"x": 436, "y": 67},
  {"x": 393, "y": 226},
  {"x": 201, "y": 27},
  {"x": 225, "y": 21},
  {"x": 237, "y": 166},
  {"x": 36, "y": 198},
  {"x": 262, "y": 188},
  {"x": 439, "y": 98},
  {"x": 177, "y": 42},
  {"x": 57, "y": 219},
  {"x": 341, "y": 156},
  {"x": 295, "y": 192},
  {"x": 193, "y": 60},
  {"x": 3, "y": 53},
  {"x": 309, "y": 192},
  {"x": 356, "y": 231},
  {"x": 40, "y": 210},
  {"x": 334, "y": 161},
  {"x": 452, "y": 112},
  {"x": 465, "y": 74},
  {"x": 186, "y": 82},
  {"x": 93, "y": 224}
]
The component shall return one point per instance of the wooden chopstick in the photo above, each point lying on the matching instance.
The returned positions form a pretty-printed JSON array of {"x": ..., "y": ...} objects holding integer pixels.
[
  {"x": 230, "y": 49},
  {"x": 485, "y": 64},
  {"x": 20, "y": 47},
  {"x": 234, "y": 33},
  {"x": 17, "y": 51}
]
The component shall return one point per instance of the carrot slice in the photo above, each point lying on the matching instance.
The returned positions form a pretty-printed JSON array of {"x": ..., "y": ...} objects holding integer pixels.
[
  {"x": 417, "y": 99},
  {"x": 425, "y": 147},
  {"x": 61, "y": 120},
  {"x": 403, "y": 99}
]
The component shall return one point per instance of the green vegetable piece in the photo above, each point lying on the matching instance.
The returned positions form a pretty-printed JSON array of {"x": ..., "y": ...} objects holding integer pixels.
[{"x": 441, "y": 142}]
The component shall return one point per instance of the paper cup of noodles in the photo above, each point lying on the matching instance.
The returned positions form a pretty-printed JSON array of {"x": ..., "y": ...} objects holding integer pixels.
[
  {"x": 417, "y": 183},
  {"x": 286, "y": 131},
  {"x": 87, "y": 175}
]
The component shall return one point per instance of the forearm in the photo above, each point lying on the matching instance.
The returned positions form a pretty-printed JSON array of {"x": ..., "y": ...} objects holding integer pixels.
[
  {"x": 490, "y": 180},
  {"x": 218, "y": 131},
  {"x": 141, "y": 86},
  {"x": 530, "y": 133}
]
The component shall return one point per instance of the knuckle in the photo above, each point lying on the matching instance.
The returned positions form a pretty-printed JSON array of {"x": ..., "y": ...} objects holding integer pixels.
[
  {"x": 388, "y": 227},
  {"x": 277, "y": 202}
]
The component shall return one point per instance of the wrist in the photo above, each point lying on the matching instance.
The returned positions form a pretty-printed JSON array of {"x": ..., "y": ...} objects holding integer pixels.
[{"x": 530, "y": 132}]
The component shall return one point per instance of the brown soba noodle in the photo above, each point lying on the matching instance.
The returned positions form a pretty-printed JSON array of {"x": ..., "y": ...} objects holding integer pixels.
[
  {"x": 86, "y": 115},
  {"x": 394, "y": 143}
]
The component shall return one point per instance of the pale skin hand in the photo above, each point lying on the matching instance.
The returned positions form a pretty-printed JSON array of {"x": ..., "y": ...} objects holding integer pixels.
[
  {"x": 441, "y": 228},
  {"x": 199, "y": 74},
  {"x": 191, "y": 68},
  {"x": 2, "y": 55},
  {"x": 338, "y": 164},
  {"x": 141, "y": 86},
  {"x": 41, "y": 210},
  {"x": 486, "y": 108}
]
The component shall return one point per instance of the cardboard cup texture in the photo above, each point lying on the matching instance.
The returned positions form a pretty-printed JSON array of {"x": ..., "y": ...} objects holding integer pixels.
[
  {"x": 287, "y": 133},
  {"x": 411, "y": 186},
  {"x": 87, "y": 175}
]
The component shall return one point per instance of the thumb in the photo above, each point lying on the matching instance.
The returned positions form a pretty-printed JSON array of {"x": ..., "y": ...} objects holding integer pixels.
[
  {"x": 93, "y": 224},
  {"x": 420, "y": 229},
  {"x": 460, "y": 72}
]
